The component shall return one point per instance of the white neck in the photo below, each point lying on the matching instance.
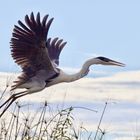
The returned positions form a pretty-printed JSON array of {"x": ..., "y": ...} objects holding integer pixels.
[
  {"x": 83, "y": 72},
  {"x": 63, "y": 77}
]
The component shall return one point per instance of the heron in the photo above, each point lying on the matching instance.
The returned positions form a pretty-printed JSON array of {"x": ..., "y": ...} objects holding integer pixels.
[{"x": 38, "y": 56}]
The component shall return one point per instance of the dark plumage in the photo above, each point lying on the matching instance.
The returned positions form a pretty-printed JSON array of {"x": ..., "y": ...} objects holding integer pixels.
[{"x": 31, "y": 49}]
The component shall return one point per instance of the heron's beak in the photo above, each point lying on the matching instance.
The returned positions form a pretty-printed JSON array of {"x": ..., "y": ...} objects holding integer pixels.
[{"x": 112, "y": 62}]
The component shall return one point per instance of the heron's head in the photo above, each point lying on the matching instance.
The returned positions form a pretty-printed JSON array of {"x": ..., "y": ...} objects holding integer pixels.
[{"x": 107, "y": 61}]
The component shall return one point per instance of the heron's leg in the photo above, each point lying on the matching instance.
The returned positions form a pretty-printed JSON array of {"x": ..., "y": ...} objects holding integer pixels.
[
  {"x": 11, "y": 97},
  {"x": 11, "y": 100},
  {"x": 38, "y": 86}
]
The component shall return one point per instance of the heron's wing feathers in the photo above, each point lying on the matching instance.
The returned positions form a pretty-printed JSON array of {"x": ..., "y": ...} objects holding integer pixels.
[
  {"x": 55, "y": 47},
  {"x": 28, "y": 45}
]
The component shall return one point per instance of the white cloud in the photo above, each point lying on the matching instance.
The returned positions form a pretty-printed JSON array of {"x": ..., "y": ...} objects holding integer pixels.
[{"x": 122, "y": 88}]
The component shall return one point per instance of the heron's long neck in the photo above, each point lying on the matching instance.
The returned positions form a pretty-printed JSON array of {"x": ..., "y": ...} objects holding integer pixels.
[{"x": 83, "y": 72}]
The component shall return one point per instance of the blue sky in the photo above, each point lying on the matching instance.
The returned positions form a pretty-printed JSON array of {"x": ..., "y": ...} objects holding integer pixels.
[
  {"x": 109, "y": 28},
  {"x": 91, "y": 28}
]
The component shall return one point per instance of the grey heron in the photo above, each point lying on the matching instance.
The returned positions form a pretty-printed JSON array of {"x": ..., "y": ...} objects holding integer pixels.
[{"x": 38, "y": 57}]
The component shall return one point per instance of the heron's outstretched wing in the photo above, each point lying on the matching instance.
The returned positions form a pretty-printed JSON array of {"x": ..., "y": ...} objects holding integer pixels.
[
  {"x": 28, "y": 46},
  {"x": 55, "y": 47}
]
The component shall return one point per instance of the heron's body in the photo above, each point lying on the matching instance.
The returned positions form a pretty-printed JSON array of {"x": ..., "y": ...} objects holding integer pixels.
[
  {"x": 38, "y": 57},
  {"x": 36, "y": 83},
  {"x": 39, "y": 81}
]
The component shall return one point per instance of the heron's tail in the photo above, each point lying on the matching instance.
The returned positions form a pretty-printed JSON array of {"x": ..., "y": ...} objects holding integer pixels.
[{"x": 21, "y": 80}]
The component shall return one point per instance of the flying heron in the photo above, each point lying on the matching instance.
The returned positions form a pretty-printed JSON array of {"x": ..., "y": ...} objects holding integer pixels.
[{"x": 38, "y": 57}]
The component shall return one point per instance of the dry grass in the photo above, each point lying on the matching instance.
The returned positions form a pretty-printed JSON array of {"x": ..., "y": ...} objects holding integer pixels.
[
  {"x": 41, "y": 125},
  {"x": 44, "y": 124}
]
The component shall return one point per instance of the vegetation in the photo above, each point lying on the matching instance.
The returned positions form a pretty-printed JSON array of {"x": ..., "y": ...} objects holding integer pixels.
[
  {"x": 24, "y": 123},
  {"x": 43, "y": 125},
  {"x": 46, "y": 123}
]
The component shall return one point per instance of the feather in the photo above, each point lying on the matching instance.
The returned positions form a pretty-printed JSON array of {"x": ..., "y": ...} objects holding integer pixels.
[{"x": 28, "y": 47}]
